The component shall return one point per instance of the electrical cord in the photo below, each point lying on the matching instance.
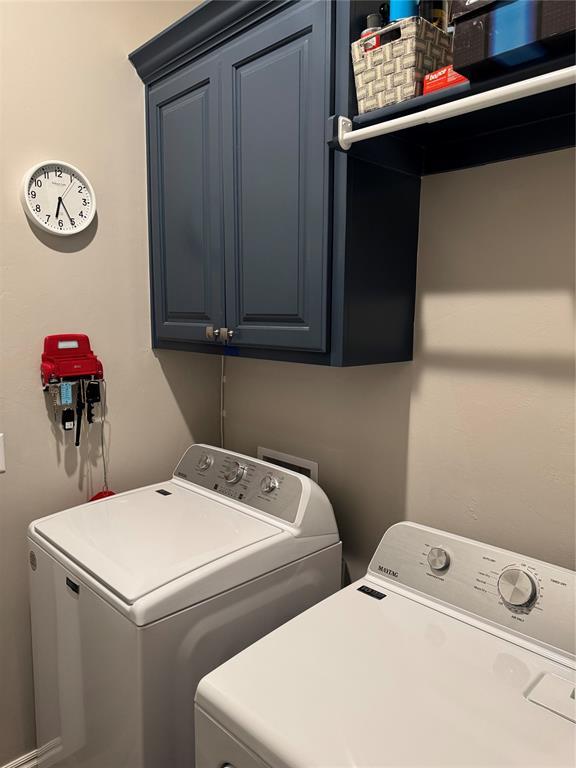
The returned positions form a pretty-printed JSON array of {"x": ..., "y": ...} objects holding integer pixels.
[
  {"x": 102, "y": 442},
  {"x": 222, "y": 411}
]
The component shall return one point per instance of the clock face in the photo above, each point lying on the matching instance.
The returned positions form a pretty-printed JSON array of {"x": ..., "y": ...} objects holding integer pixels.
[{"x": 58, "y": 198}]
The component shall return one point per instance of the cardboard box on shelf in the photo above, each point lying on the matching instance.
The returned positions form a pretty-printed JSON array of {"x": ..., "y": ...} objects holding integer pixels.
[{"x": 445, "y": 77}]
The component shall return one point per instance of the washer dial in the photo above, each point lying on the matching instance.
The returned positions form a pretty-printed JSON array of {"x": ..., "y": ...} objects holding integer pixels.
[
  {"x": 235, "y": 473},
  {"x": 204, "y": 462},
  {"x": 269, "y": 483},
  {"x": 517, "y": 588},
  {"x": 438, "y": 559}
]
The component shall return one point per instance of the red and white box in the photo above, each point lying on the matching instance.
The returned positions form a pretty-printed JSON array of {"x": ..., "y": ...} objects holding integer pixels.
[{"x": 445, "y": 77}]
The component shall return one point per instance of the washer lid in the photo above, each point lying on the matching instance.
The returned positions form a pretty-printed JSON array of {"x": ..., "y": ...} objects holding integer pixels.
[{"x": 135, "y": 542}]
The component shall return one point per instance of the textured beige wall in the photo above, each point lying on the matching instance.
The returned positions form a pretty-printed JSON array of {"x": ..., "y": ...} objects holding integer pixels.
[
  {"x": 68, "y": 92},
  {"x": 476, "y": 435}
]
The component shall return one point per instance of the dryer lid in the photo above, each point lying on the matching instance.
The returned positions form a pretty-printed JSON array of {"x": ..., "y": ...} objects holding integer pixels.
[
  {"x": 136, "y": 542},
  {"x": 374, "y": 678}
]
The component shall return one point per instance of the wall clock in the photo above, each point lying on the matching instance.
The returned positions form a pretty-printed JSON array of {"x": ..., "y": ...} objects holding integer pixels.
[{"x": 58, "y": 198}]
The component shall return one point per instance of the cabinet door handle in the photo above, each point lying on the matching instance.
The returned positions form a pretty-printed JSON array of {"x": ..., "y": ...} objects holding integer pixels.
[
  {"x": 222, "y": 335},
  {"x": 225, "y": 335}
]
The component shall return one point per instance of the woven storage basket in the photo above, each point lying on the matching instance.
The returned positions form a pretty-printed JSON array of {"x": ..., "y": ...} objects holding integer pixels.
[{"x": 394, "y": 72}]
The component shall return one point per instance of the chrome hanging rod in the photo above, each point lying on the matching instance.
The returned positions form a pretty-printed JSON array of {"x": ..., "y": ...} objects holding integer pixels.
[{"x": 519, "y": 90}]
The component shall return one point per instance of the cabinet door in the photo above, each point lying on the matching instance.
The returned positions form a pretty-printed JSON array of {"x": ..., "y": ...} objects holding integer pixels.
[
  {"x": 275, "y": 101},
  {"x": 186, "y": 204}
]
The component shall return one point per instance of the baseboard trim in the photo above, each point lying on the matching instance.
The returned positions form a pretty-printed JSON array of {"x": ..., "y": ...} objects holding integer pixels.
[
  {"x": 35, "y": 759},
  {"x": 29, "y": 760}
]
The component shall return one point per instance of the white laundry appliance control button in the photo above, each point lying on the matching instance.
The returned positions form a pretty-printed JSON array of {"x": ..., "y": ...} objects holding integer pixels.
[
  {"x": 269, "y": 483},
  {"x": 516, "y": 587},
  {"x": 235, "y": 473},
  {"x": 438, "y": 559},
  {"x": 204, "y": 462}
]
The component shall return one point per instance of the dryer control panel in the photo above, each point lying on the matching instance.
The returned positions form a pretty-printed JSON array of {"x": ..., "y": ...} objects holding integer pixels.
[
  {"x": 249, "y": 481},
  {"x": 527, "y": 596}
]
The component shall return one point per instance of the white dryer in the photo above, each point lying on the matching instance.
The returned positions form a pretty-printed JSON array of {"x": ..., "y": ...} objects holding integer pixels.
[
  {"x": 134, "y": 598},
  {"x": 447, "y": 653}
]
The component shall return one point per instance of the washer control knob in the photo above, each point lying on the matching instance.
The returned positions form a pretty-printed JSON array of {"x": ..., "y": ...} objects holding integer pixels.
[
  {"x": 438, "y": 559},
  {"x": 204, "y": 462},
  {"x": 269, "y": 483},
  {"x": 235, "y": 473},
  {"x": 516, "y": 587}
]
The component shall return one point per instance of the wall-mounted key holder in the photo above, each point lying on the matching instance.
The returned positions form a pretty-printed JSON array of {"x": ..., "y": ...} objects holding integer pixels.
[
  {"x": 68, "y": 357},
  {"x": 72, "y": 373},
  {"x": 73, "y": 377}
]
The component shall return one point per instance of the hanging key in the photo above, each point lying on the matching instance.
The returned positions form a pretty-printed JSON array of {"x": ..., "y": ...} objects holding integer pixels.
[
  {"x": 92, "y": 397},
  {"x": 79, "y": 411},
  {"x": 65, "y": 393},
  {"x": 54, "y": 391},
  {"x": 67, "y": 419}
]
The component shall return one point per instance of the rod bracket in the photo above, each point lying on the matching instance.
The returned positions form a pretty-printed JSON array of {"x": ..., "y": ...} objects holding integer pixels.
[
  {"x": 344, "y": 127},
  {"x": 338, "y": 127}
]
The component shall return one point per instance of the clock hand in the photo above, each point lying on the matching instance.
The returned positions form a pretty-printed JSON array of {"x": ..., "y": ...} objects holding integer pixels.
[
  {"x": 58, "y": 206},
  {"x": 63, "y": 206},
  {"x": 68, "y": 188}
]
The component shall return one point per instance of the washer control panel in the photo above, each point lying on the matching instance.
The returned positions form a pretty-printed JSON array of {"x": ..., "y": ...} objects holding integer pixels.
[
  {"x": 249, "y": 481},
  {"x": 528, "y": 596}
]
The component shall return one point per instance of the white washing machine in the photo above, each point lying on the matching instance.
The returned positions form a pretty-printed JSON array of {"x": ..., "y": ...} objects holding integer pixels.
[
  {"x": 134, "y": 598},
  {"x": 447, "y": 653}
]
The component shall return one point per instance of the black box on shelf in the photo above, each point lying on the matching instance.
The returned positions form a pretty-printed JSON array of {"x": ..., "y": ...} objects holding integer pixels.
[
  {"x": 495, "y": 36},
  {"x": 467, "y": 7}
]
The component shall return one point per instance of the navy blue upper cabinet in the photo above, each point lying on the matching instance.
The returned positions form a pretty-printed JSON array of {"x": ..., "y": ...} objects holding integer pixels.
[
  {"x": 275, "y": 87},
  {"x": 186, "y": 204},
  {"x": 258, "y": 229}
]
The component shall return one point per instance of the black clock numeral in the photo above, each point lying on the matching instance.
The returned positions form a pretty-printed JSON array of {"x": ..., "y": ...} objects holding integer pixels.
[
  {"x": 38, "y": 182},
  {"x": 46, "y": 173},
  {"x": 60, "y": 223},
  {"x": 37, "y": 208},
  {"x": 33, "y": 195},
  {"x": 84, "y": 201},
  {"x": 47, "y": 218},
  {"x": 80, "y": 188},
  {"x": 58, "y": 173},
  {"x": 81, "y": 214},
  {"x": 73, "y": 222}
]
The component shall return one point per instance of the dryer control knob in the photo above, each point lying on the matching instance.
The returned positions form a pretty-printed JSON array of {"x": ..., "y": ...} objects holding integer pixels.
[
  {"x": 438, "y": 559},
  {"x": 269, "y": 483},
  {"x": 204, "y": 462},
  {"x": 235, "y": 473},
  {"x": 516, "y": 587}
]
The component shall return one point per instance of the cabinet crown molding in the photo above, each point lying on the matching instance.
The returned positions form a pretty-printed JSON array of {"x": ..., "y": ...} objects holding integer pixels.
[{"x": 205, "y": 27}]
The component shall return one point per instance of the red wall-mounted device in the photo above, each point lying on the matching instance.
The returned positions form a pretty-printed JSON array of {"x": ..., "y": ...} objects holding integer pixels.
[{"x": 68, "y": 356}]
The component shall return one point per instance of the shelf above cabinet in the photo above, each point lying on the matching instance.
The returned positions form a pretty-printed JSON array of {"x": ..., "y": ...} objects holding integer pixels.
[{"x": 476, "y": 124}]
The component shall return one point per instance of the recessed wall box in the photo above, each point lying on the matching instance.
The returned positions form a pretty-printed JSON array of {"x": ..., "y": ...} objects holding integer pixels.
[{"x": 295, "y": 463}]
